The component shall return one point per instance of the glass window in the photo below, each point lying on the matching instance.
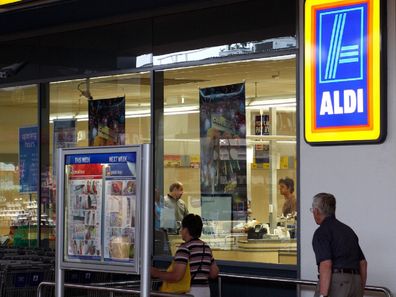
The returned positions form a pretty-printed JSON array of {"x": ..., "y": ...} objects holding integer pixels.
[
  {"x": 69, "y": 118},
  {"x": 233, "y": 154},
  {"x": 230, "y": 50},
  {"x": 19, "y": 166}
]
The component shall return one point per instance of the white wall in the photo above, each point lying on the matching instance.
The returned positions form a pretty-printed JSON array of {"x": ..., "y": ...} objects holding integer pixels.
[{"x": 363, "y": 179}]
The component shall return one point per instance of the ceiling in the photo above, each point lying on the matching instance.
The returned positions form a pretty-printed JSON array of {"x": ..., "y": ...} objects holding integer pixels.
[{"x": 266, "y": 78}]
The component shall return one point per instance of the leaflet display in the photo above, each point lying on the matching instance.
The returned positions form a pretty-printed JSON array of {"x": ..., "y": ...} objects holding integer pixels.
[
  {"x": 119, "y": 220},
  {"x": 84, "y": 217},
  {"x": 100, "y": 205}
]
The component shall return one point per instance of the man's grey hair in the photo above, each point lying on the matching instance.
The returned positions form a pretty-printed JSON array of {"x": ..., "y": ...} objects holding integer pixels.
[{"x": 325, "y": 203}]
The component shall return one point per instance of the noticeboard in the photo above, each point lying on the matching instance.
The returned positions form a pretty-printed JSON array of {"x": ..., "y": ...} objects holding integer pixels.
[
  {"x": 345, "y": 98},
  {"x": 99, "y": 208}
]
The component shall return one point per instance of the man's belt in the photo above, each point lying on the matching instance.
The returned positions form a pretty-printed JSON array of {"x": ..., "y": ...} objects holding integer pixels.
[
  {"x": 346, "y": 270},
  {"x": 200, "y": 282}
]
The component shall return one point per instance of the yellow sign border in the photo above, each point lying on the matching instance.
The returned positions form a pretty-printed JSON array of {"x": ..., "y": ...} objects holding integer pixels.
[
  {"x": 5, "y": 2},
  {"x": 353, "y": 134}
]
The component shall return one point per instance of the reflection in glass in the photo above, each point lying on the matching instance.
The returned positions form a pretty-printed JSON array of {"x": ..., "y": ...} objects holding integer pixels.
[{"x": 235, "y": 49}]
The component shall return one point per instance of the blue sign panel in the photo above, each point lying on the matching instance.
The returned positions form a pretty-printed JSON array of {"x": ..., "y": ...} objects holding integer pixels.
[
  {"x": 121, "y": 170},
  {"x": 28, "y": 159},
  {"x": 342, "y": 88},
  {"x": 101, "y": 158}
]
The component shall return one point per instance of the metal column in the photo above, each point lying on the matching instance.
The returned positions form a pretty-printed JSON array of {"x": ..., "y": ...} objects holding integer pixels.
[{"x": 147, "y": 222}]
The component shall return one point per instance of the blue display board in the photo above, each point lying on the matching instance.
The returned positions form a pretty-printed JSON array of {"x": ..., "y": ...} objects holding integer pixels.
[
  {"x": 28, "y": 159},
  {"x": 100, "y": 158},
  {"x": 101, "y": 198}
]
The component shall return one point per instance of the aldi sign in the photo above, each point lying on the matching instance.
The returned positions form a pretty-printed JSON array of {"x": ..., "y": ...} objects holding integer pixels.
[{"x": 344, "y": 100}]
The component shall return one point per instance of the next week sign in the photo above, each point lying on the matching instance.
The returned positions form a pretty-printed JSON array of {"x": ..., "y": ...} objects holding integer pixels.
[{"x": 344, "y": 101}]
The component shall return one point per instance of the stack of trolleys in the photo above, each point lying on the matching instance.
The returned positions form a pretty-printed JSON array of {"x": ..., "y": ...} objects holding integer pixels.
[
  {"x": 21, "y": 271},
  {"x": 85, "y": 278}
]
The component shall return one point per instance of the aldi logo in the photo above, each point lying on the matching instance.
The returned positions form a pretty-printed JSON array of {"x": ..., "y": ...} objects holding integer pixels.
[
  {"x": 340, "y": 50},
  {"x": 343, "y": 98}
]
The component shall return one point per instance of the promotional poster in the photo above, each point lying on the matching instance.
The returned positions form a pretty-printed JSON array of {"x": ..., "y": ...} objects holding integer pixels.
[
  {"x": 85, "y": 211},
  {"x": 106, "y": 122},
  {"x": 223, "y": 144},
  {"x": 101, "y": 199},
  {"x": 28, "y": 159},
  {"x": 120, "y": 211}
]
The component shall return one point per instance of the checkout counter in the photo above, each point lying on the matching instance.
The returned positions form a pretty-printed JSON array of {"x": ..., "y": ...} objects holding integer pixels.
[{"x": 249, "y": 244}]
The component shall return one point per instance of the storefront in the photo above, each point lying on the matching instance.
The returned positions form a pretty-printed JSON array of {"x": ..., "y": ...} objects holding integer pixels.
[
  {"x": 212, "y": 85},
  {"x": 159, "y": 68},
  {"x": 215, "y": 86}
]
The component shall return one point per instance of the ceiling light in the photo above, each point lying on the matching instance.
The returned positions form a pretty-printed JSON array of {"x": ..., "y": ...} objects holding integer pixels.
[{"x": 267, "y": 103}]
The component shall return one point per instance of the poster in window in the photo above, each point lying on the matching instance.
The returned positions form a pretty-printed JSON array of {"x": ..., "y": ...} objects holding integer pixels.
[
  {"x": 223, "y": 144},
  {"x": 65, "y": 136},
  {"x": 106, "y": 122},
  {"x": 28, "y": 159}
]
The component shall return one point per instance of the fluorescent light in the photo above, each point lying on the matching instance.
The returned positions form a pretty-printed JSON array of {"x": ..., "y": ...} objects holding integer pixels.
[
  {"x": 267, "y": 103},
  {"x": 180, "y": 140},
  {"x": 61, "y": 117},
  {"x": 273, "y": 101},
  {"x": 181, "y": 112},
  {"x": 17, "y": 88},
  {"x": 185, "y": 109},
  {"x": 127, "y": 75},
  {"x": 140, "y": 113}
]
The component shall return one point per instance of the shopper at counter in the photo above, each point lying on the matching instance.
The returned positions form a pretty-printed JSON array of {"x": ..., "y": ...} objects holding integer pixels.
[
  {"x": 341, "y": 263},
  {"x": 173, "y": 202},
  {"x": 197, "y": 253},
  {"x": 286, "y": 188}
]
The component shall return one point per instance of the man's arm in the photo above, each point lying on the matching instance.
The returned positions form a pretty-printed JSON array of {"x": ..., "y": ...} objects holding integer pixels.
[
  {"x": 325, "y": 272},
  {"x": 363, "y": 272},
  {"x": 214, "y": 270},
  {"x": 185, "y": 209}
]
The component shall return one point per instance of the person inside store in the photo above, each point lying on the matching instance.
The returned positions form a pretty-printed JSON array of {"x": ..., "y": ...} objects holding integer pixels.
[
  {"x": 286, "y": 188},
  {"x": 174, "y": 208},
  {"x": 161, "y": 240},
  {"x": 195, "y": 252},
  {"x": 341, "y": 263}
]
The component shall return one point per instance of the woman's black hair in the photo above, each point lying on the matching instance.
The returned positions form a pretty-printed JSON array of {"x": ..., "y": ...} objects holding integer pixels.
[
  {"x": 193, "y": 223},
  {"x": 288, "y": 182}
]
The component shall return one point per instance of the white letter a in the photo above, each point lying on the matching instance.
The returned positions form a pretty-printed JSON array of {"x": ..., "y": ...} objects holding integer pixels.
[{"x": 326, "y": 106}]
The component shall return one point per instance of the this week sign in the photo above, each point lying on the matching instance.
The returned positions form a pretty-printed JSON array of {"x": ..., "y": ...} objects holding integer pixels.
[{"x": 344, "y": 100}]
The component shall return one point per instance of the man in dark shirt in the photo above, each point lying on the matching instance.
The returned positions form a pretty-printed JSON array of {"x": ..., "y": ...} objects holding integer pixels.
[{"x": 341, "y": 263}]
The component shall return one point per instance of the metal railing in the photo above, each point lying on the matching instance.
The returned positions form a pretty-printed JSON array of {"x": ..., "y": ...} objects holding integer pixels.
[
  {"x": 383, "y": 290},
  {"x": 98, "y": 286},
  {"x": 106, "y": 289}
]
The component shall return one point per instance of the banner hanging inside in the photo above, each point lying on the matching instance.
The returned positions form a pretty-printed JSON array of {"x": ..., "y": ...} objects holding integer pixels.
[
  {"x": 107, "y": 122},
  {"x": 223, "y": 145}
]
